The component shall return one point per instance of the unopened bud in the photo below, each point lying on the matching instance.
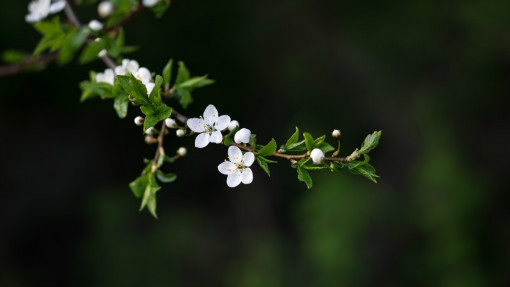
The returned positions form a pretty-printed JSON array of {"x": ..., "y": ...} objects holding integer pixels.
[
  {"x": 150, "y": 139},
  {"x": 182, "y": 151},
  {"x": 317, "y": 156},
  {"x": 102, "y": 53},
  {"x": 242, "y": 136},
  {"x": 233, "y": 125},
  {"x": 336, "y": 134},
  {"x": 180, "y": 132},
  {"x": 95, "y": 25},
  {"x": 150, "y": 131},
  {"x": 170, "y": 123},
  {"x": 105, "y": 9},
  {"x": 139, "y": 121}
]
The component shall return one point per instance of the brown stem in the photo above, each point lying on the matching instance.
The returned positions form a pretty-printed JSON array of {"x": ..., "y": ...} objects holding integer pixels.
[
  {"x": 31, "y": 62},
  {"x": 160, "y": 146}
]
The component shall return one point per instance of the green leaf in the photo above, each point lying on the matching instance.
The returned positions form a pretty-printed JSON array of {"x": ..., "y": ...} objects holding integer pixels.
[
  {"x": 120, "y": 104},
  {"x": 325, "y": 147},
  {"x": 149, "y": 122},
  {"x": 371, "y": 141},
  {"x": 160, "y": 8},
  {"x": 185, "y": 96},
  {"x": 182, "y": 74},
  {"x": 166, "y": 177},
  {"x": 167, "y": 72},
  {"x": 304, "y": 176},
  {"x": 268, "y": 149},
  {"x": 90, "y": 90},
  {"x": 155, "y": 97},
  {"x": 299, "y": 146},
  {"x": 139, "y": 185},
  {"x": 293, "y": 139},
  {"x": 92, "y": 50},
  {"x": 149, "y": 195},
  {"x": 230, "y": 136},
  {"x": 263, "y": 164},
  {"x": 14, "y": 56},
  {"x": 195, "y": 82},
  {"x": 318, "y": 141},
  {"x": 163, "y": 112},
  {"x": 362, "y": 168},
  {"x": 308, "y": 141},
  {"x": 161, "y": 157}
]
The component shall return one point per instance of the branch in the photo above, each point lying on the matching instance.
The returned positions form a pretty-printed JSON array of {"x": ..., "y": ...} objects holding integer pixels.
[
  {"x": 160, "y": 146},
  {"x": 29, "y": 63}
]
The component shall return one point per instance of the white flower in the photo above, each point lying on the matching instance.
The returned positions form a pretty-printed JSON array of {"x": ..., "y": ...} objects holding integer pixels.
[
  {"x": 170, "y": 123},
  {"x": 143, "y": 74},
  {"x": 233, "y": 125},
  {"x": 317, "y": 156},
  {"x": 102, "y": 53},
  {"x": 105, "y": 9},
  {"x": 149, "y": 3},
  {"x": 336, "y": 134},
  {"x": 209, "y": 127},
  {"x": 182, "y": 151},
  {"x": 238, "y": 167},
  {"x": 180, "y": 133},
  {"x": 128, "y": 66},
  {"x": 150, "y": 131},
  {"x": 242, "y": 136},
  {"x": 95, "y": 25},
  {"x": 40, "y": 9},
  {"x": 139, "y": 121},
  {"x": 107, "y": 77},
  {"x": 149, "y": 87}
]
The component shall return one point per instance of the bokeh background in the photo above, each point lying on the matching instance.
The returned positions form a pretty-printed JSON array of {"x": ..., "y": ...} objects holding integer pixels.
[{"x": 433, "y": 75}]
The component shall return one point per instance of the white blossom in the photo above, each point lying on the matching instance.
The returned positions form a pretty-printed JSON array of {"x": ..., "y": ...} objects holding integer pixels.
[
  {"x": 242, "y": 136},
  {"x": 317, "y": 156},
  {"x": 40, "y": 9},
  {"x": 139, "y": 121},
  {"x": 149, "y": 87},
  {"x": 182, "y": 151},
  {"x": 180, "y": 133},
  {"x": 209, "y": 127},
  {"x": 150, "y": 131},
  {"x": 128, "y": 66},
  {"x": 102, "y": 53},
  {"x": 336, "y": 134},
  {"x": 95, "y": 25},
  {"x": 233, "y": 125},
  {"x": 107, "y": 77},
  {"x": 105, "y": 9},
  {"x": 143, "y": 74},
  {"x": 237, "y": 168},
  {"x": 149, "y": 3},
  {"x": 170, "y": 123}
]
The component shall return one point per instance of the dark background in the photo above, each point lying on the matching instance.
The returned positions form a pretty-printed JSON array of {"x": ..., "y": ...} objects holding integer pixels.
[{"x": 433, "y": 75}]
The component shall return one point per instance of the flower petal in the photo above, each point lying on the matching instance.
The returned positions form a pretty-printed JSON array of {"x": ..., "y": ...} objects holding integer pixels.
[
  {"x": 211, "y": 115},
  {"x": 248, "y": 158},
  {"x": 216, "y": 137},
  {"x": 57, "y": 6},
  {"x": 222, "y": 123},
  {"x": 234, "y": 154},
  {"x": 32, "y": 18},
  {"x": 202, "y": 140},
  {"x": 247, "y": 176},
  {"x": 227, "y": 167},
  {"x": 242, "y": 136},
  {"x": 234, "y": 179},
  {"x": 197, "y": 125}
]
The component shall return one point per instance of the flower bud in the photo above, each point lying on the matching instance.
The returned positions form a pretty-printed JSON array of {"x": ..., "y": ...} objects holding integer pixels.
[
  {"x": 242, "y": 136},
  {"x": 102, "y": 53},
  {"x": 105, "y": 9},
  {"x": 182, "y": 151},
  {"x": 139, "y": 121},
  {"x": 317, "y": 156},
  {"x": 180, "y": 132},
  {"x": 95, "y": 25},
  {"x": 233, "y": 125},
  {"x": 150, "y": 139},
  {"x": 170, "y": 123},
  {"x": 336, "y": 134},
  {"x": 149, "y": 3},
  {"x": 150, "y": 131}
]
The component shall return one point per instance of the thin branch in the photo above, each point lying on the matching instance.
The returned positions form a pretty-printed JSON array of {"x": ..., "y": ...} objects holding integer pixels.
[
  {"x": 28, "y": 63},
  {"x": 71, "y": 15},
  {"x": 160, "y": 146},
  {"x": 124, "y": 20}
]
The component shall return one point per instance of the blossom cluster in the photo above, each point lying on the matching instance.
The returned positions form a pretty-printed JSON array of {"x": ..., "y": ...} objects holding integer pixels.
[{"x": 128, "y": 66}]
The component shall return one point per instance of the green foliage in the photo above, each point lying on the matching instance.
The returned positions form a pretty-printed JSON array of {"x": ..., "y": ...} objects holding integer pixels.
[
  {"x": 160, "y": 8},
  {"x": 14, "y": 56},
  {"x": 308, "y": 141},
  {"x": 229, "y": 138},
  {"x": 304, "y": 176},
  {"x": 167, "y": 73},
  {"x": 361, "y": 168},
  {"x": 262, "y": 161},
  {"x": 268, "y": 149},
  {"x": 371, "y": 141},
  {"x": 184, "y": 85}
]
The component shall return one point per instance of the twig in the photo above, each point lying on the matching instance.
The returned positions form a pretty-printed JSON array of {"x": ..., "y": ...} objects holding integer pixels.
[{"x": 31, "y": 62}]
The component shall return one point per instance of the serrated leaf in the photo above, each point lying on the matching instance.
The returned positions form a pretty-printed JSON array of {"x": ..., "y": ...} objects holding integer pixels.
[
  {"x": 91, "y": 51},
  {"x": 182, "y": 74},
  {"x": 371, "y": 141},
  {"x": 195, "y": 82},
  {"x": 318, "y": 141},
  {"x": 268, "y": 149},
  {"x": 304, "y": 176},
  {"x": 185, "y": 97},
  {"x": 263, "y": 164},
  {"x": 167, "y": 72},
  {"x": 149, "y": 122},
  {"x": 149, "y": 195},
  {"x": 308, "y": 141},
  {"x": 293, "y": 139},
  {"x": 325, "y": 147},
  {"x": 139, "y": 185},
  {"x": 299, "y": 146},
  {"x": 120, "y": 104},
  {"x": 166, "y": 177},
  {"x": 155, "y": 97}
]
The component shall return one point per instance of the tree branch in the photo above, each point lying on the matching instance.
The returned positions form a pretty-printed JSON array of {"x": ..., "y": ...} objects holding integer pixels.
[{"x": 31, "y": 62}]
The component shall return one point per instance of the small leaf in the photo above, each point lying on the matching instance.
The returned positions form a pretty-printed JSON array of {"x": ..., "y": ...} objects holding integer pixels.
[
  {"x": 185, "y": 96},
  {"x": 154, "y": 97},
  {"x": 371, "y": 141},
  {"x": 308, "y": 141},
  {"x": 120, "y": 104},
  {"x": 293, "y": 139},
  {"x": 268, "y": 149},
  {"x": 195, "y": 82},
  {"x": 263, "y": 164},
  {"x": 149, "y": 122},
  {"x": 304, "y": 176},
  {"x": 299, "y": 146},
  {"x": 139, "y": 184},
  {"x": 318, "y": 141},
  {"x": 161, "y": 157},
  {"x": 325, "y": 147},
  {"x": 166, "y": 177},
  {"x": 182, "y": 74},
  {"x": 167, "y": 72}
]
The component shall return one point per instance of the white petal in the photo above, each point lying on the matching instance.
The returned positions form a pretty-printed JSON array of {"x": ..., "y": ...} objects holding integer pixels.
[
  {"x": 57, "y": 6},
  {"x": 227, "y": 167},
  {"x": 234, "y": 154},
  {"x": 233, "y": 125},
  {"x": 234, "y": 179},
  {"x": 247, "y": 176},
  {"x": 202, "y": 140},
  {"x": 211, "y": 115},
  {"x": 248, "y": 158},
  {"x": 120, "y": 71},
  {"x": 222, "y": 123},
  {"x": 143, "y": 74},
  {"x": 149, "y": 87},
  {"x": 132, "y": 66},
  {"x": 32, "y": 18},
  {"x": 216, "y": 137},
  {"x": 242, "y": 136},
  {"x": 197, "y": 125},
  {"x": 317, "y": 156}
]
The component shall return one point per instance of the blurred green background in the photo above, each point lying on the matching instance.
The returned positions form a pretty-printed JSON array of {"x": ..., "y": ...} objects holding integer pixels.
[{"x": 433, "y": 75}]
